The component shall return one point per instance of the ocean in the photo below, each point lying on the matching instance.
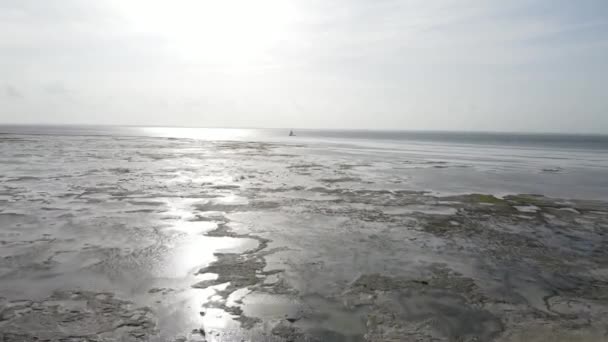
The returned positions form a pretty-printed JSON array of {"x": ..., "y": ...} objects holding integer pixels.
[
  {"x": 192, "y": 234},
  {"x": 562, "y": 165}
]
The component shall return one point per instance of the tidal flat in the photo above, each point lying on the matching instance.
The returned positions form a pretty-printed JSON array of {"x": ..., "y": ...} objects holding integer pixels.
[{"x": 157, "y": 239}]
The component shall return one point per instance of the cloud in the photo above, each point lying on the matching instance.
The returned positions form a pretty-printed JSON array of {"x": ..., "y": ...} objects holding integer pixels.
[
  {"x": 356, "y": 63},
  {"x": 56, "y": 88},
  {"x": 12, "y": 93}
]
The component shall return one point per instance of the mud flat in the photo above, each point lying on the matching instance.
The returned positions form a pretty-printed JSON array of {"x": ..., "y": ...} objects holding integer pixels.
[{"x": 150, "y": 239}]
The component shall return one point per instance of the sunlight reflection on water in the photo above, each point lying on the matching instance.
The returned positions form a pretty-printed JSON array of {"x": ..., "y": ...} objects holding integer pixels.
[{"x": 201, "y": 133}]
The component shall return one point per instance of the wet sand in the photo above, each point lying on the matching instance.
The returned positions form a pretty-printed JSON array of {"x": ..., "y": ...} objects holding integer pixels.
[{"x": 154, "y": 239}]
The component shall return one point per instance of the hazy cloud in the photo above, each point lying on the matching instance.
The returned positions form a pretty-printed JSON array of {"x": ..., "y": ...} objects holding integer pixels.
[
  {"x": 12, "y": 93},
  {"x": 524, "y": 64},
  {"x": 56, "y": 88}
]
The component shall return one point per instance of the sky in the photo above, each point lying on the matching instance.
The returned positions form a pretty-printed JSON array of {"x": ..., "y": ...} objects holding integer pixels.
[{"x": 489, "y": 65}]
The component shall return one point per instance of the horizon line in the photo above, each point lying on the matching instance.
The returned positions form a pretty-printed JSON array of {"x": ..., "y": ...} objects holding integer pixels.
[{"x": 411, "y": 130}]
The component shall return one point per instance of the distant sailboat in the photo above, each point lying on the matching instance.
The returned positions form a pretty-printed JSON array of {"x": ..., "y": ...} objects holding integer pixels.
[{"x": 291, "y": 134}]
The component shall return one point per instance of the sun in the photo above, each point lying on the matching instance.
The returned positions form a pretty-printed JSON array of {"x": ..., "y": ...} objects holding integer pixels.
[{"x": 226, "y": 33}]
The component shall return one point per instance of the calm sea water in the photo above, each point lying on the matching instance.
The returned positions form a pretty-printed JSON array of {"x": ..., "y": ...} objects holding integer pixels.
[
  {"x": 558, "y": 141},
  {"x": 558, "y": 165}
]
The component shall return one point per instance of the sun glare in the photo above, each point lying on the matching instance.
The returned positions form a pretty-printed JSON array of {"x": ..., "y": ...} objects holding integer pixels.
[{"x": 227, "y": 33}]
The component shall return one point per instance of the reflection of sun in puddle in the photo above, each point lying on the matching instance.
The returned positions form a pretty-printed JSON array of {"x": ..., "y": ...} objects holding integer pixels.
[
  {"x": 232, "y": 199},
  {"x": 218, "y": 319},
  {"x": 268, "y": 306},
  {"x": 185, "y": 311},
  {"x": 197, "y": 316},
  {"x": 194, "y": 227},
  {"x": 196, "y": 251},
  {"x": 179, "y": 209}
]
